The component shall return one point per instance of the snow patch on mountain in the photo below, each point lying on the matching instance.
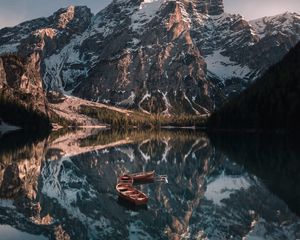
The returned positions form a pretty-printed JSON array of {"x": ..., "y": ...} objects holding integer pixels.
[
  {"x": 145, "y": 13},
  {"x": 58, "y": 73},
  {"x": 168, "y": 105},
  {"x": 129, "y": 101},
  {"x": 281, "y": 23},
  {"x": 190, "y": 103},
  {"x": 9, "y": 48},
  {"x": 222, "y": 67},
  {"x": 104, "y": 26},
  {"x": 146, "y": 96}
]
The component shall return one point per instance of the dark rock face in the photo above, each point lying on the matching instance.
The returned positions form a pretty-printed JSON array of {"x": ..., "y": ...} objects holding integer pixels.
[
  {"x": 211, "y": 7},
  {"x": 20, "y": 82},
  {"x": 11, "y": 183},
  {"x": 160, "y": 56}
]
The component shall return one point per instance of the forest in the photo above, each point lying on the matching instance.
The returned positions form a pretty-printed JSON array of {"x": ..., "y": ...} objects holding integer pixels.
[{"x": 271, "y": 103}]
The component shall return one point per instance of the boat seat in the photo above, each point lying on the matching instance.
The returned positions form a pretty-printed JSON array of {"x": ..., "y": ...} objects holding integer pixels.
[
  {"x": 130, "y": 191},
  {"x": 134, "y": 194},
  {"x": 123, "y": 188}
]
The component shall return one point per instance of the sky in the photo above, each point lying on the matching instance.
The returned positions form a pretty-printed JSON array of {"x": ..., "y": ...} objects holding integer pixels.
[{"x": 13, "y": 12}]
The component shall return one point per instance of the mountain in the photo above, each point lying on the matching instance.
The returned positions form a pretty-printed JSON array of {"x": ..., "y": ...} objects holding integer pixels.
[
  {"x": 271, "y": 102},
  {"x": 22, "y": 98},
  {"x": 156, "y": 56}
]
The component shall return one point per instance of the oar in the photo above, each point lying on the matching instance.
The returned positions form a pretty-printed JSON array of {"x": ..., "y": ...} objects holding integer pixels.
[{"x": 161, "y": 178}]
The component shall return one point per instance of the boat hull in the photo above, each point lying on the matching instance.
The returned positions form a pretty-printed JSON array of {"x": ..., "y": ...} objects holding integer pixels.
[
  {"x": 128, "y": 192},
  {"x": 126, "y": 179},
  {"x": 143, "y": 176},
  {"x": 131, "y": 194}
]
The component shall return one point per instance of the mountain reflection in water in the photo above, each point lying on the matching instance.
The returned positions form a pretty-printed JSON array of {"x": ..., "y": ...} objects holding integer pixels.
[{"x": 63, "y": 187}]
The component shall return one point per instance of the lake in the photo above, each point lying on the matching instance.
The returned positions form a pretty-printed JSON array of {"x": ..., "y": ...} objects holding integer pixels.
[{"x": 222, "y": 186}]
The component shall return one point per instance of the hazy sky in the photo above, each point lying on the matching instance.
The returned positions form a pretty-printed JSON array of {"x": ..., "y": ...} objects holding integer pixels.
[{"x": 13, "y": 12}]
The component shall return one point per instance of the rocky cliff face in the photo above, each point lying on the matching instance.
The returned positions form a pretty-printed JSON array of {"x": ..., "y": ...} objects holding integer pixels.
[
  {"x": 22, "y": 65},
  {"x": 156, "y": 56},
  {"x": 21, "y": 84},
  {"x": 210, "y": 7},
  {"x": 153, "y": 68},
  {"x": 46, "y": 37}
]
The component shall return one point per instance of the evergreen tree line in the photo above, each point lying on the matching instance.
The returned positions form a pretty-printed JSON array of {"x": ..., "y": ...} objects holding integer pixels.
[
  {"x": 271, "y": 103},
  {"x": 15, "y": 113},
  {"x": 136, "y": 119}
]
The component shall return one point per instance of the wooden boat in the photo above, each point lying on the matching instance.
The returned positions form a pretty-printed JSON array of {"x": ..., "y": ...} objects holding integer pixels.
[
  {"x": 126, "y": 179},
  {"x": 143, "y": 176},
  {"x": 131, "y": 194}
]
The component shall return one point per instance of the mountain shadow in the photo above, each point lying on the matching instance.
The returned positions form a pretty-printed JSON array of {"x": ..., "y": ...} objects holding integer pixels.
[
  {"x": 270, "y": 103},
  {"x": 22, "y": 98}
]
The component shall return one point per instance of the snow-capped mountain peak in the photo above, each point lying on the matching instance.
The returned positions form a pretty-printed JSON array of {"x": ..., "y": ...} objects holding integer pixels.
[
  {"x": 279, "y": 24},
  {"x": 168, "y": 56}
]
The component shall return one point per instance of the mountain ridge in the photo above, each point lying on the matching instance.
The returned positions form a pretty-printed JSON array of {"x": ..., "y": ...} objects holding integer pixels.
[
  {"x": 160, "y": 56},
  {"x": 270, "y": 103}
]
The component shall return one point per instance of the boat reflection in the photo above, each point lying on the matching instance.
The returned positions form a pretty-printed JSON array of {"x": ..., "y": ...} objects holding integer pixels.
[{"x": 130, "y": 206}]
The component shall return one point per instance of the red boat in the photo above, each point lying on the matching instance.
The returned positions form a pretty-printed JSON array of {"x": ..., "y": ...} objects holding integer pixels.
[
  {"x": 143, "y": 176},
  {"x": 131, "y": 194},
  {"x": 127, "y": 191},
  {"x": 126, "y": 180}
]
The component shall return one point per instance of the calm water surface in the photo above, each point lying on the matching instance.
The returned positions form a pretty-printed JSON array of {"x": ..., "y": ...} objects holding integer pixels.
[{"x": 219, "y": 187}]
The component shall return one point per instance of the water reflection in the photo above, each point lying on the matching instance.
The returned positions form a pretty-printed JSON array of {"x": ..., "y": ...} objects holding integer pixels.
[
  {"x": 274, "y": 158},
  {"x": 62, "y": 187}
]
